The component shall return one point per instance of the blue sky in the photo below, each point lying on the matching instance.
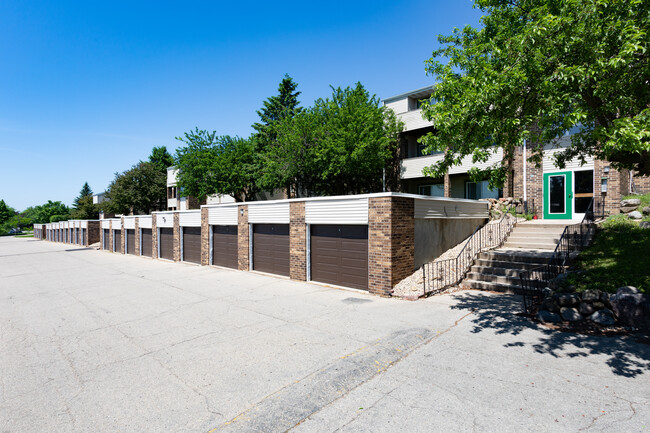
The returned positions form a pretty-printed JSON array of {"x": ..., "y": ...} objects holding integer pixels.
[{"x": 88, "y": 88}]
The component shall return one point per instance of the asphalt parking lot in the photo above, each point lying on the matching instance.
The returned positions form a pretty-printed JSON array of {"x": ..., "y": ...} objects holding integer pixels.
[{"x": 94, "y": 341}]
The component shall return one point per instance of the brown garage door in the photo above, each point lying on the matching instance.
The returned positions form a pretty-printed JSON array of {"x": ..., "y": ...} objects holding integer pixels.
[
  {"x": 76, "y": 236},
  {"x": 339, "y": 255},
  {"x": 117, "y": 240},
  {"x": 145, "y": 242},
  {"x": 130, "y": 241},
  {"x": 105, "y": 239},
  {"x": 224, "y": 246},
  {"x": 271, "y": 248},
  {"x": 166, "y": 243},
  {"x": 192, "y": 244},
  {"x": 83, "y": 241}
]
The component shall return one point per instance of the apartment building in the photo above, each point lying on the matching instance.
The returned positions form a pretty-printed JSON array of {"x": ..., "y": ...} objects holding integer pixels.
[{"x": 177, "y": 201}]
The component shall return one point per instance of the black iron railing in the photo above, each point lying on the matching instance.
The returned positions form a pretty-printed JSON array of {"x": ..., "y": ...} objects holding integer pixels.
[
  {"x": 441, "y": 274},
  {"x": 574, "y": 239}
]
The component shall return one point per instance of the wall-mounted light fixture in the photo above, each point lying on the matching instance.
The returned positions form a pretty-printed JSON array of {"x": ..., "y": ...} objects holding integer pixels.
[
  {"x": 241, "y": 211},
  {"x": 606, "y": 169},
  {"x": 164, "y": 219}
]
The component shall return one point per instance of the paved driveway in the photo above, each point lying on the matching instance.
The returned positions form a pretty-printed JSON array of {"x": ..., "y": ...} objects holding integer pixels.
[{"x": 93, "y": 341}]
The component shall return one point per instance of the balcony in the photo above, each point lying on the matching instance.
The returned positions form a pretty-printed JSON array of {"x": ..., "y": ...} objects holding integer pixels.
[
  {"x": 412, "y": 167},
  {"x": 413, "y": 120}
]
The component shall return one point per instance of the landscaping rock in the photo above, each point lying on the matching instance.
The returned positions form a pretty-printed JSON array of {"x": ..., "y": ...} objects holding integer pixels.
[
  {"x": 636, "y": 215},
  {"x": 547, "y": 316},
  {"x": 590, "y": 295},
  {"x": 549, "y": 304},
  {"x": 567, "y": 299},
  {"x": 585, "y": 309},
  {"x": 558, "y": 282},
  {"x": 627, "y": 290},
  {"x": 646, "y": 210},
  {"x": 632, "y": 309},
  {"x": 628, "y": 209},
  {"x": 644, "y": 224},
  {"x": 603, "y": 317},
  {"x": 547, "y": 291},
  {"x": 604, "y": 298},
  {"x": 597, "y": 305},
  {"x": 631, "y": 202},
  {"x": 570, "y": 314}
]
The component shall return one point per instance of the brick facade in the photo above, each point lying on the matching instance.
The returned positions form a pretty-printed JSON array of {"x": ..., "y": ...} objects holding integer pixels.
[
  {"x": 640, "y": 184},
  {"x": 177, "y": 237},
  {"x": 154, "y": 237},
  {"x": 242, "y": 238},
  {"x": 534, "y": 182},
  {"x": 110, "y": 236},
  {"x": 618, "y": 184},
  {"x": 297, "y": 242},
  {"x": 122, "y": 245},
  {"x": 447, "y": 186},
  {"x": 391, "y": 242},
  {"x": 136, "y": 241},
  {"x": 93, "y": 232},
  {"x": 205, "y": 237}
]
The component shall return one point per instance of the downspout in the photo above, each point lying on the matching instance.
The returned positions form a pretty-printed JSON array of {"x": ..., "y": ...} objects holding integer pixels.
[{"x": 524, "y": 151}]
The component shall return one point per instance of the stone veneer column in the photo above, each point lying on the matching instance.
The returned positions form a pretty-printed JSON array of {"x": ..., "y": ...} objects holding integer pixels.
[
  {"x": 447, "y": 186},
  {"x": 123, "y": 237},
  {"x": 534, "y": 181},
  {"x": 154, "y": 237},
  {"x": 177, "y": 237},
  {"x": 612, "y": 198},
  {"x": 205, "y": 237},
  {"x": 110, "y": 236},
  {"x": 297, "y": 242},
  {"x": 242, "y": 238},
  {"x": 136, "y": 238},
  {"x": 391, "y": 237}
]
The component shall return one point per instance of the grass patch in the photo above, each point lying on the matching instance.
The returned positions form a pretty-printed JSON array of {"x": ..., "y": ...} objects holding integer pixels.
[
  {"x": 25, "y": 236},
  {"x": 619, "y": 256}
]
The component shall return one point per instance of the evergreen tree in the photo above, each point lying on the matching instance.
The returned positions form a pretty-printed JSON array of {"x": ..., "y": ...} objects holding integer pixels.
[
  {"x": 276, "y": 108},
  {"x": 85, "y": 192},
  {"x": 161, "y": 159}
]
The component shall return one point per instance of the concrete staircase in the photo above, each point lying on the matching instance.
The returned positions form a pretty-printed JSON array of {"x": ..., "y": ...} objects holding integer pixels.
[{"x": 529, "y": 245}]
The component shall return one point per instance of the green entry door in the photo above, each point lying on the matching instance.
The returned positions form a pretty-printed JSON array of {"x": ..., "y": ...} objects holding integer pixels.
[{"x": 558, "y": 194}]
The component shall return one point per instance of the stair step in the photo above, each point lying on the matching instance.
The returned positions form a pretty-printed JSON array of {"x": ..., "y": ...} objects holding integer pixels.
[
  {"x": 491, "y": 278},
  {"x": 533, "y": 238},
  {"x": 492, "y": 270},
  {"x": 520, "y": 266},
  {"x": 531, "y": 245},
  {"x": 521, "y": 256},
  {"x": 494, "y": 287}
]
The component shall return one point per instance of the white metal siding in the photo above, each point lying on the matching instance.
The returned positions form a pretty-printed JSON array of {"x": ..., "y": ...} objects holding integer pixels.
[
  {"x": 399, "y": 106},
  {"x": 347, "y": 211},
  {"x": 276, "y": 213},
  {"x": 190, "y": 219},
  {"x": 165, "y": 219},
  {"x": 414, "y": 120},
  {"x": 144, "y": 222},
  {"x": 222, "y": 216},
  {"x": 105, "y": 224},
  {"x": 117, "y": 223},
  {"x": 431, "y": 208},
  {"x": 129, "y": 223},
  {"x": 412, "y": 167},
  {"x": 84, "y": 224}
]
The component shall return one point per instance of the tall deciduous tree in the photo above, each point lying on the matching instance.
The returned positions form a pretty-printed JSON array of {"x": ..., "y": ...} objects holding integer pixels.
[
  {"x": 211, "y": 164},
  {"x": 43, "y": 214},
  {"x": 161, "y": 158},
  {"x": 538, "y": 69},
  {"x": 141, "y": 189},
  {"x": 6, "y": 212}
]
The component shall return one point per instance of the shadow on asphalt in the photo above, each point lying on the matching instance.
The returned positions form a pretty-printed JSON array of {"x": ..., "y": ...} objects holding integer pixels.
[{"x": 628, "y": 355}]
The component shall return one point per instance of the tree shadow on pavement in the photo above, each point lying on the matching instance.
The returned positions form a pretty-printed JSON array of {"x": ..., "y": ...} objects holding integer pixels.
[{"x": 628, "y": 355}]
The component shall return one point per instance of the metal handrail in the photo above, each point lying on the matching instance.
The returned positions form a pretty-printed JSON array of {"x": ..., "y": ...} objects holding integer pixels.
[{"x": 439, "y": 275}]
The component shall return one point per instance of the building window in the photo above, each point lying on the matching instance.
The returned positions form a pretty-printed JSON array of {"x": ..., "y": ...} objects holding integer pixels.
[
  {"x": 171, "y": 192},
  {"x": 478, "y": 190},
  {"x": 434, "y": 190}
]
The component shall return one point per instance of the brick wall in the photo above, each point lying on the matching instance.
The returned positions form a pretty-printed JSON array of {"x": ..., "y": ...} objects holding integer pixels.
[
  {"x": 242, "y": 237},
  {"x": 154, "y": 237},
  {"x": 122, "y": 245},
  {"x": 446, "y": 186},
  {"x": 534, "y": 181},
  {"x": 612, "y": 198},
  {"x": 297, "y": 242},
  {"x": 205, "y": 237},
  {"x": 641, "y": 183},
  {"x": 391, "y": 228},
  {"x": 110, "y": 236},
  {"x": 93, "y": 232},
  {"x": 177, "y": 237},
  {"x": 136, "y": 242}
]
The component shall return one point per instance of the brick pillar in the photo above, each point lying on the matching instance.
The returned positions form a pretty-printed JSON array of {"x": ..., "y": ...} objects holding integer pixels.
[
  {"x": 447, "y": 185},
  {"x": 205, "y": 237},
  {"x": 242, "y": 237},
  {"x": 391, "y": 237},
  {"x": 110, "y": 236},
  {"x": 122, "y": 247},
  {"x": 298, "y": 242},
  {"x": 612, "y": 198},
  {"x": 177, "y": 237},
  {"x": 154, "y": 237},
  {"x": 136, "y": 238}
]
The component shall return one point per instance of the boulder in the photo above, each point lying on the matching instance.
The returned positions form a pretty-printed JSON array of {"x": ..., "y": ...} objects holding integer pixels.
[
  {"x": 590, "y": 295},
  {"x": 585, "y": 309},
  {"x": 631, "y": 202},
  {"x": 570, "y": 314},
  {"x": 627, "y": 290},
  {"x": 644, "y": 224},
  {"x": 598, "y": 305},
  {"x": 636, "y": 215},
  {"x": 549, "y": 304},
  {"x": 632, "y": 309},
  {"x": 603, "y": 317},
  {"x": 547, "y": 316},
  {"x": 567, "y": 299},
  {"x": 646, "y": 210},
  {"x": 628, "y": 209}
]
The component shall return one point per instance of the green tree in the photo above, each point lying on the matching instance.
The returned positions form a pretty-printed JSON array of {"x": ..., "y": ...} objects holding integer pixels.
[
  {"x": 343, "y": 144},
  {"x": 6, "y": 212},
  {"x": 536, "y": 70},
  {"x": 43, "y": 214},
  {"x": 284, "y": 104},
  {"x": 86, "y": 209},
  {"x": 85, "y": 192},
  {"x": 141, "y": 190},
  {"x": 161, "y": 158},
  {"x": 211, "y": 164}
]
